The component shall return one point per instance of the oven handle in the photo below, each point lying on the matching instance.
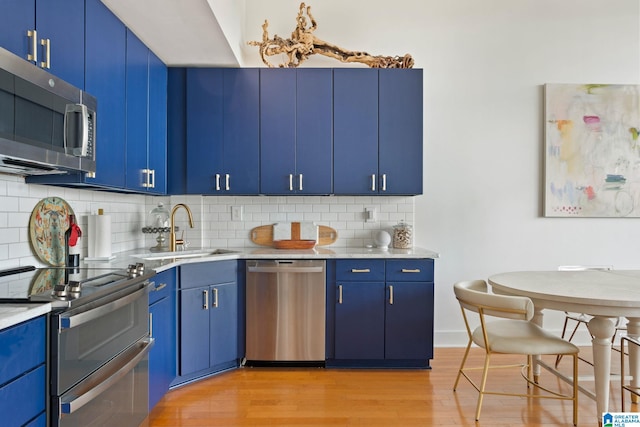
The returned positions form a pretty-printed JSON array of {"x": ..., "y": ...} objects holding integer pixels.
[
  {"x": 116, "y": 370},
  {"x": 68, "y": 322}
]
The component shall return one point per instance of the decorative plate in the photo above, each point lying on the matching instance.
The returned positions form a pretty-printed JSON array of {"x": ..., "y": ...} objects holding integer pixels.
[{"x": 49, "y": 220}]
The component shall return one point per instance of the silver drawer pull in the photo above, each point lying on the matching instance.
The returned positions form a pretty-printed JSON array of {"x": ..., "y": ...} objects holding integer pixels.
[
  {"x": 360, "y": 270},
  {"x": 340, "y": 294},
  {"x": 391, "y": 295},
  {"x": 408, "y": 270}
]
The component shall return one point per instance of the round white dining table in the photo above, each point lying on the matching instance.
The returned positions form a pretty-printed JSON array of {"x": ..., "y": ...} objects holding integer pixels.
[{"x": 604, "y": 294}]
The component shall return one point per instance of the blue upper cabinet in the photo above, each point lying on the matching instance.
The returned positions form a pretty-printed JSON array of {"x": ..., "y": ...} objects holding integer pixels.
[
  {"x": 377, "y": 131},
  {"x": 157, "y": 114},
  {"x": 295, "y": 131},
  {"x": 223, "y": 136},
  {"x": 48, "y": 33},
  {"x": 106, "y": 80},
  {"x": 400, "y": 131},
  {"x": 355, "y": 131},
  {"x": 146, "y": 98}
]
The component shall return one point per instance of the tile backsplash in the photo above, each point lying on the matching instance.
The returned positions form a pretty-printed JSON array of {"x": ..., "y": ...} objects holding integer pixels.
[{"x": 213, "y": 223}]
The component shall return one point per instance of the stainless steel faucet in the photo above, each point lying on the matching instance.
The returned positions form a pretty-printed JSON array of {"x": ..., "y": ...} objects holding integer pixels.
[{"x": 173, "y": 242}]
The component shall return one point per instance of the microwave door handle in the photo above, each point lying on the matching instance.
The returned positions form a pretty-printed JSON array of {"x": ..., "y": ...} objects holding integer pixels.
[
  {"x": 85, "y": 130},
  {"x": 118, "y": 369},
  {"x": 82, "y": 148}
]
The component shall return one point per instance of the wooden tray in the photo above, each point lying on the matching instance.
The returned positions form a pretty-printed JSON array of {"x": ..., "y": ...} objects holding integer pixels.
[
  {"x": 263, "y": 235},
  {"x": 294, "y": 244}
]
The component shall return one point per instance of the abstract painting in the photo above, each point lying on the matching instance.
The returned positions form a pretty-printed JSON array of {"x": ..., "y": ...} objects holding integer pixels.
[{"x": 592, "y": 150}]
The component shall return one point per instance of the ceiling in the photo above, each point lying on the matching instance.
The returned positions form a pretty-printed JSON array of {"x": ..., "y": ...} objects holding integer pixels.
[{"x": 181, "y": 33}]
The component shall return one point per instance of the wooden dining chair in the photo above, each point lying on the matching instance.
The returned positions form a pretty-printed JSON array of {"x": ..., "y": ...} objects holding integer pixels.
[
  {"x": 505, "y": 328},
  {"x": 582, "y": 318}
]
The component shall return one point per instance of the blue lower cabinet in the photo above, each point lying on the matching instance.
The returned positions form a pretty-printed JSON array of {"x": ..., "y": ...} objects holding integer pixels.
[
  {"x": 208, "y": 319},
  {"x": 386, "y": 323},
  {"x": 23, "y": 373},
  {"x": 162, "y": 327}
]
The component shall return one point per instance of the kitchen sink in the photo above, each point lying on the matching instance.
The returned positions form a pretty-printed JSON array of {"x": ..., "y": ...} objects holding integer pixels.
[{"x": 191, "y": 253}]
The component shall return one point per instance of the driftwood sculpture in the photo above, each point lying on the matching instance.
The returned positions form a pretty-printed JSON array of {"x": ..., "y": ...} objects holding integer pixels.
[{"x": 303, "y": 44}]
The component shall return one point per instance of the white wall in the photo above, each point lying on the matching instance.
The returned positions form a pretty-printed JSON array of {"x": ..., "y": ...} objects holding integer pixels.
[{"x": 484, "y": 66}]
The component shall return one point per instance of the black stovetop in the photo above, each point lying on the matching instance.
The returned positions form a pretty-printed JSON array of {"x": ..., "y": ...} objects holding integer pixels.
[{"x": 30, "y": 284}]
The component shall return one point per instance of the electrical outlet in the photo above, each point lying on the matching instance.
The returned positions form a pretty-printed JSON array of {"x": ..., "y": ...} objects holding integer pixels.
[
  {"x": 236, "y": 213},
  {"x": 370, "y": 214}
]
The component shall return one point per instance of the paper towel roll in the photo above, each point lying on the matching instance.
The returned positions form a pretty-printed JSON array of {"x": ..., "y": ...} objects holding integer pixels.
[{"x": 99, "y": 238}]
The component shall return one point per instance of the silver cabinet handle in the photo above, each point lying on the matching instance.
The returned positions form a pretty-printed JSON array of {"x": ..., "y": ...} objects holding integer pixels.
[
  {"x": 373, "y": 182},
  {"x": 227, "y": 182},
  {"x": 147, "y": 175},
  {"x": 390, "y": 295},
  {"x": 152, "y": 178},
  {"x": 160, "y": 287},
  {"x": 217, "y": 182},
  {"x": 360, "y": 270},
  {"x": 47, "y": 53},
  {"x": 151, "y": 325},
  {"x": 33, "y": 37},
  {"x": 205, "y": 299},
  {"x": 290, "y": 182},
  {"x": 384, "y": 182},
  {"x": 300, "y": 183},
  {"x": 215, "y": 297},
  {"x": 407, "y": 270},
  {"x": 339, "y": 294}
]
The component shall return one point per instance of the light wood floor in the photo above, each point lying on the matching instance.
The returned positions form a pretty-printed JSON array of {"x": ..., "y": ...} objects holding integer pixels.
[{"x": 371, "y": 398}]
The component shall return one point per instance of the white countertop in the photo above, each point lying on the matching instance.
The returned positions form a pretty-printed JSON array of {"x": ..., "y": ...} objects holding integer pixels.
[
  {"x": 12, "y": 314},
  {"x": 129, "y": 257}
]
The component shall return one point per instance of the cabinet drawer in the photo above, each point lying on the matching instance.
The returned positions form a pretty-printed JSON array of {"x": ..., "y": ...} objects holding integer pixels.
[
  {"x": 359, "y": 270},
  {"x": 207, "y": 273},
  {"x": 164, "y": 285},
  {"x": 26, "y": 343},
  {"x": 410, "y": 270},
  {"x": 24, "y": 398}
]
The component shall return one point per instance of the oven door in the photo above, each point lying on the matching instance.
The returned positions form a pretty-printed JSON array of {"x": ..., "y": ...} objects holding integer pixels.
[
  {"x": 115, "y": 395},
  {"x": 91, "y": 335}
]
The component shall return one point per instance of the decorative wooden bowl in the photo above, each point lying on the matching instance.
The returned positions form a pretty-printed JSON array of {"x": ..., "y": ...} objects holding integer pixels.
[{"x": 294, "y": 244}]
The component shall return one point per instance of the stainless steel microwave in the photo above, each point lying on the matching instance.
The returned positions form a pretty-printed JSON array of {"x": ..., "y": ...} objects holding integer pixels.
[{"x": 47, "y": 126}]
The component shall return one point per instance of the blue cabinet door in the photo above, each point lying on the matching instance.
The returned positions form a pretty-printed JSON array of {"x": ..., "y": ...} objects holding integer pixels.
[
  {"x": 205, "y": 147},
  {"x": 224, "y": 324},
  {"x": 314, "y": 126},
  {"x": 62, "y": 24},
  {"x": 355, "y": 131},
  {"x": 137, "y": 82},
  {"x": 194, "y": 330},
  {"x": 16, "y": 18},
  {"x": 400, "y": 127},
  {"x": 359, "y": 320},
  {"x": 241, "y": 125},
  {"x": 105, "y": 78},
  {"x": 278, "y": 131},
  {"x": 163, "y": 321},
  {"x": 409, "y": 320},
  {"x": 157, "y": 121}
]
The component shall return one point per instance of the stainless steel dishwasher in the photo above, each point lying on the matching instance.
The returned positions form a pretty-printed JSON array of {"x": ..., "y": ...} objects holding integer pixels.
[{"x": 285, "y": 303}]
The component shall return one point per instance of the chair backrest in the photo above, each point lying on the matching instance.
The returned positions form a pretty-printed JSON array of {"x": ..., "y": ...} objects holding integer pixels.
[{"x": 473, "y": 295}]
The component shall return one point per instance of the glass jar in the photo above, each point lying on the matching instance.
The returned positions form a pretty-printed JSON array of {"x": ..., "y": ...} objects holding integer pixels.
[
  {"x": 402, "y": 235},
  {"x": 158, "y": 217}
]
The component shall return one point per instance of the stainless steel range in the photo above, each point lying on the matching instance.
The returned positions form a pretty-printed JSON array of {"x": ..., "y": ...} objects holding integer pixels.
[{"x": 99, "y": 340}]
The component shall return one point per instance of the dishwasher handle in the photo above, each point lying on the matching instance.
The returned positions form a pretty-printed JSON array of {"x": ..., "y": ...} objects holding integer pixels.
[{"x": 277, "y": 269}]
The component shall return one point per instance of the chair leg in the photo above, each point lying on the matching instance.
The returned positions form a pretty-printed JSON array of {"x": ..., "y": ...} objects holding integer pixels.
[
  {"x": 575, "y": 389},
  {"x": 483, "y": 383},
  {"x": 464, "y": 360}
]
